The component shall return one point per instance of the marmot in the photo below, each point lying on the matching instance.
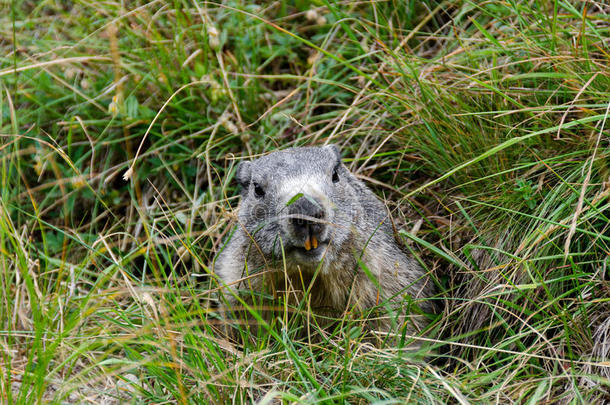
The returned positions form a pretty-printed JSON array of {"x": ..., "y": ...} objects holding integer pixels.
[{"x": 308, "y": 227}]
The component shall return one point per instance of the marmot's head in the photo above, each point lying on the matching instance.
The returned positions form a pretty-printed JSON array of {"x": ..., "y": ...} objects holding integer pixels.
[{"x": 300, "y": 200}]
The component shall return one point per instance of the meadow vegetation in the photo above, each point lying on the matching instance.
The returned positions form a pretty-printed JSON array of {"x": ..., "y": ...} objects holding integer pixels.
[{"x": 483, "y": 124}]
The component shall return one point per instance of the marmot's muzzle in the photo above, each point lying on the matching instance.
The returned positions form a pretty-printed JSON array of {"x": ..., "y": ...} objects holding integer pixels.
[{"x": 306, "y": 222}]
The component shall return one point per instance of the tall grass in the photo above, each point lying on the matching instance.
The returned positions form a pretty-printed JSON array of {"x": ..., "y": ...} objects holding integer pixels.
[{"x": 483, "y": 125}]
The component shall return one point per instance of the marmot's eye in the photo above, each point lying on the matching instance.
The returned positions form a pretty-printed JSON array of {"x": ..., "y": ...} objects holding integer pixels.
[
  {"x": 258, "y": 190},
  {"x": 336, "y": 174}
]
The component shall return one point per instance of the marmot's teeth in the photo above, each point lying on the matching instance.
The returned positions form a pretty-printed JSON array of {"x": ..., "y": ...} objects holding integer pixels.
[
  {"x": 308, "y": 244},
  {"x": 314, "y": 242}
]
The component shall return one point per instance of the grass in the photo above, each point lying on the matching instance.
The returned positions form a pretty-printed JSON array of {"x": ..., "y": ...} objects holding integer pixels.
[{"x": 483, "y": 124}]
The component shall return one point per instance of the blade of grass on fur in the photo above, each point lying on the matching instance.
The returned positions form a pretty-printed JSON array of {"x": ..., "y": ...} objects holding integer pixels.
[
  {"x": 499, "y": 148},
  {"x": 294, "y": 199}
]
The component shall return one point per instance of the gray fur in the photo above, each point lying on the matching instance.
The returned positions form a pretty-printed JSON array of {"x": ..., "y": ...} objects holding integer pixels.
[{"x": 265, "y": 252}]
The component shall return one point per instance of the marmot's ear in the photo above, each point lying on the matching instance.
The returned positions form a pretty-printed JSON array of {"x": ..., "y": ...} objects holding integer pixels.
[
  {"x": 242, "y": 174},
  {"x": 334, "y": 149}
]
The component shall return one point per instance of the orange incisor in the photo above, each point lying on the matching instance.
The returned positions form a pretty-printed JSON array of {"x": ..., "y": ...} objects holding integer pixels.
[{"x": 311, "y": 242}]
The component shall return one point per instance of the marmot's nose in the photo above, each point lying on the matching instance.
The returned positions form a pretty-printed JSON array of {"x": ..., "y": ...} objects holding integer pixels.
[
  {"x": 306, "y": 229},
  {"x": 305, "y": 206}
]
